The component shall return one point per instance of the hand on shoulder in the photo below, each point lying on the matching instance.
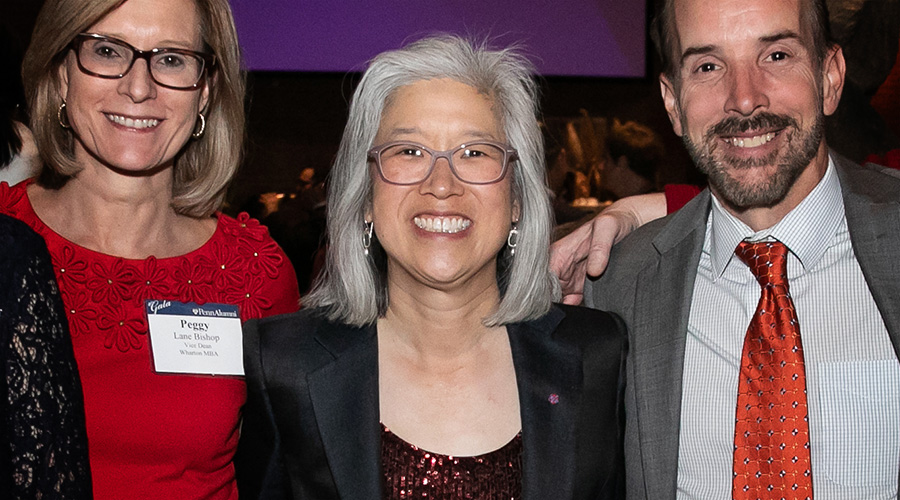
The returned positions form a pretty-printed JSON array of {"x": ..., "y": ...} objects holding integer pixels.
[{"x": 585, "y": 251}]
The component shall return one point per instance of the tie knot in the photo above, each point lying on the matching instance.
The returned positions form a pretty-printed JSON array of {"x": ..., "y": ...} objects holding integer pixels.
[{"x": 767, "y": 261}]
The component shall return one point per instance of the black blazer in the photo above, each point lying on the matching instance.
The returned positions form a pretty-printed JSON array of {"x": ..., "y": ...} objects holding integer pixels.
[{"x": 311, "y": 426}]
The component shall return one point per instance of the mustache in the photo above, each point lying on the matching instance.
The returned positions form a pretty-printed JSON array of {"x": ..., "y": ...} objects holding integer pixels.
[{"x": 764, "y": 120}]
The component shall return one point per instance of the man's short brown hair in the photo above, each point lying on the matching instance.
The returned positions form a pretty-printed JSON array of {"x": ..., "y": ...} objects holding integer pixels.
[{"x": 664, "y": 34}]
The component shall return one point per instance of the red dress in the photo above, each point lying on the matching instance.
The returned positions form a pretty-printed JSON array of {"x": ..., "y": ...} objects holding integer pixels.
[{"x": 153, "y": 435}]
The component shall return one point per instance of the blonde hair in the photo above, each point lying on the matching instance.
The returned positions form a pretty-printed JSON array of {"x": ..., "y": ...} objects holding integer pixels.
[{"x": 205, "y": 166}]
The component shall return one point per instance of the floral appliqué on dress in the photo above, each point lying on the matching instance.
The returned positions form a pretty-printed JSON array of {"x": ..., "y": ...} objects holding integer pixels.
[{"x": 106, "y": 293}]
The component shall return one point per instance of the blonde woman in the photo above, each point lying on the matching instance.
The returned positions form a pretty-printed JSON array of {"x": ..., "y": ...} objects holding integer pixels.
[{"x": 137, "y": 110}]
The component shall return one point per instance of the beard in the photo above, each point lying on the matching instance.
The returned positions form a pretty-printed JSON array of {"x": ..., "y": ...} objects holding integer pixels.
[{"x": 799, "y": 148}]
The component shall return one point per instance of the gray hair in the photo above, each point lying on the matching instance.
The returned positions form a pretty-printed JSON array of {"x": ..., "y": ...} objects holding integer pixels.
[{"x": 353, "y": 287}]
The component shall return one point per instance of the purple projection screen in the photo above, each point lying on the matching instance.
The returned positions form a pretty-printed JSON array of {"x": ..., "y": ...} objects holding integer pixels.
[{"x": 597, "y": 38}]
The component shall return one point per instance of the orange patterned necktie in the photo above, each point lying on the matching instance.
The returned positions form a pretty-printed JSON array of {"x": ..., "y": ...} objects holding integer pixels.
[{"x": 771, "y": 434}]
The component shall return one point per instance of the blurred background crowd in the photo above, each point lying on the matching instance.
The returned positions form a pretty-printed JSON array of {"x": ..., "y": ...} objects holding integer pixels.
[{"x": 605, "y": 138}]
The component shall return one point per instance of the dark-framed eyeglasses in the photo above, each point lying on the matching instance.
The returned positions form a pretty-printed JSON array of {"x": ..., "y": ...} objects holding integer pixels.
[
  {"x": 108, "y": 57},
  {"x": 405, "y": 163}
]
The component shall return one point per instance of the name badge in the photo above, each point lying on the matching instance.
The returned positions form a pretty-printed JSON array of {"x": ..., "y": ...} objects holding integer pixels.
[{"x": 187, "y": 338}]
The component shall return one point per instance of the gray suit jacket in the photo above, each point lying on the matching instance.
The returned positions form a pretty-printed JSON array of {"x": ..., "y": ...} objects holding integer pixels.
[{"x": 650, "y": 282}]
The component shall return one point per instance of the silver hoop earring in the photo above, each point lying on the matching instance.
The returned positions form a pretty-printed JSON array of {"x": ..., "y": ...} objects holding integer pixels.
[
  {"x": 512, "y": 241},
  {"x": 59, "y": 116},
  {"x": 198, "y": 134},
  {"x": 367, "y": 236}
]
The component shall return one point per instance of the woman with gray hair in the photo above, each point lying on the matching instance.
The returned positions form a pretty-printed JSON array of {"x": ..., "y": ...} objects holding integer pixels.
[{"x": 433, "y": 326}]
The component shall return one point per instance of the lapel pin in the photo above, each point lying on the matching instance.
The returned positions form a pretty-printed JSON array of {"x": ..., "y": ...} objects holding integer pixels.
[{"x": 554, "y": 399}]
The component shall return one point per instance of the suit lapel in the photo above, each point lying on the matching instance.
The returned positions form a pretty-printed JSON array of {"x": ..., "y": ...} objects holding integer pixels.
[
  {"x": 663, "y": 295},
  {"x": 344, "y": 396},
  {"x": 545, "y": 370},
  {"x": 549, "y": 379},
  {"x": 873, "y": 219},
  {"x": 658, "y": 334}
]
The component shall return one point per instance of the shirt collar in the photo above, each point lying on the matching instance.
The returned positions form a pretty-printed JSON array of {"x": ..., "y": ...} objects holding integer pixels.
[{"x": 807, "y": 230}]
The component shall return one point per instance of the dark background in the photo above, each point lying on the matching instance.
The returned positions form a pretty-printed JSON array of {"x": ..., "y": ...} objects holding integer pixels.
[{"x": 296, "y": 119}]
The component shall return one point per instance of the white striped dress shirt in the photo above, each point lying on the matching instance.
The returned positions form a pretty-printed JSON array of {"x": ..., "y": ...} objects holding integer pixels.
[{"x": 853, "y": 375}]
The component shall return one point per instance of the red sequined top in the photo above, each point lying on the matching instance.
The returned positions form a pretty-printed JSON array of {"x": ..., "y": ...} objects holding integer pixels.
[
  {"x": 410, "y": 472},
  {"x": 153, "y": 435}
]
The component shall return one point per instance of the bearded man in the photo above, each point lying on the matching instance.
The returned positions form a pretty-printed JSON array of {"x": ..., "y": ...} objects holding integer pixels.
[{"x": 764, "y": 317}]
